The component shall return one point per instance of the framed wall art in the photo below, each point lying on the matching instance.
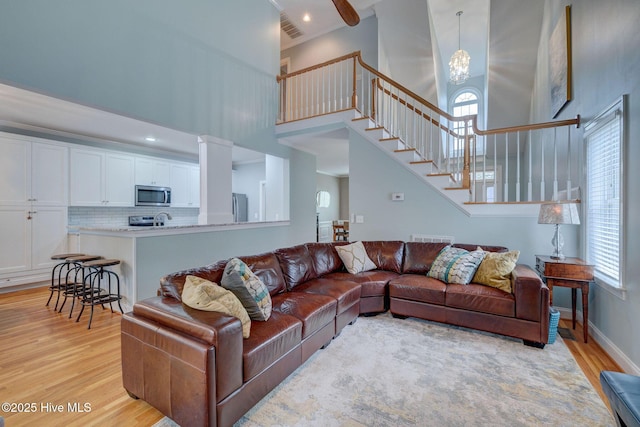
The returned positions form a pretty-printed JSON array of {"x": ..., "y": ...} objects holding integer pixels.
[{"x": 560, "y": 63}]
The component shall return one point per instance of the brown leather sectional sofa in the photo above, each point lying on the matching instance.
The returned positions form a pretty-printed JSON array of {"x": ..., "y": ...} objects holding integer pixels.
[{"x": 195, "y": 367}]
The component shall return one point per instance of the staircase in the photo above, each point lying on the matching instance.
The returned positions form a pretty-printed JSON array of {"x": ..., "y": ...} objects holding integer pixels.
[{"x": 482, "y": 172}]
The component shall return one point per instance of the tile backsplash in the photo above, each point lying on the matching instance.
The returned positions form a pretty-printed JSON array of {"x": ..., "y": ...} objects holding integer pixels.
[{"x": 119, "y": 217}]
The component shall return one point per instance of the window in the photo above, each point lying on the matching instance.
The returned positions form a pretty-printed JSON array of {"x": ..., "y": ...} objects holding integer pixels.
[
  {"x": 604, "y": 140},
  {"x": 465, "y": 104}
]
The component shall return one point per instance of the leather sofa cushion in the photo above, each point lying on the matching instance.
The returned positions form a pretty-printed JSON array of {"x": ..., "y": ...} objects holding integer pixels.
[
  {"x": 418, "y": 256},
  {"x": 386, "y": 255},
  {"x": 171, "y": 285},
  {"x": 480, "y": 298},
  {"x": 373, "y": 282},
  {"x": 267, "y": 268},
  {"x": 344, "y": 292},
  {"x": 418, "y": 288},
  {"x": 315, "y": 311},
  {"x": 296, "y": 264},
  {"x": 470, "y": 247},
  {"x": 269, "y": 341},
  {"x": 325, "y": 258}
]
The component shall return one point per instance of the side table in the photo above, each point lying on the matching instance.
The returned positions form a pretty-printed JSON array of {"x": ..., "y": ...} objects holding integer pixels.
[{"x": 571, "y": 273}]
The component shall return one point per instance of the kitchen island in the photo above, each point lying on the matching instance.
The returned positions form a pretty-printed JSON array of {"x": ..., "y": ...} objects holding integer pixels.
[{"x": 149, "y": 253}]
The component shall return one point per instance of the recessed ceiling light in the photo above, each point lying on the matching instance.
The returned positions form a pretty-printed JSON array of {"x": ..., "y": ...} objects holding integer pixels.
[
  {"x": 306, "y": 17},
  {"x": 150, "y": 139}
]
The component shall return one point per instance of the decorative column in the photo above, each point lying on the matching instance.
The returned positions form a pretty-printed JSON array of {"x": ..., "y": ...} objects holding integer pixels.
[{"x": 215, "y": 180}]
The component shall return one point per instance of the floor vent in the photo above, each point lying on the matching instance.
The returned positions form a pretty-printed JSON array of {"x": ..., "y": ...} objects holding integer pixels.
[
  {"x": 426, "y": 238},
  {"x": 289, "y": 27}
]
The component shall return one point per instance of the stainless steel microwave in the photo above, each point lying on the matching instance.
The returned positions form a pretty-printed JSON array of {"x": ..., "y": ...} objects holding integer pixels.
[{"x": 148, "y": 195}]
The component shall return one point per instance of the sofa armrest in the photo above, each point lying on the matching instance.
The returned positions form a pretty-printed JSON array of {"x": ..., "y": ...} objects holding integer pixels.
[
  {"x": 207, "y": 326},
  {"x": 531, "y": 294},
  {"x": 160, "y": 322}
]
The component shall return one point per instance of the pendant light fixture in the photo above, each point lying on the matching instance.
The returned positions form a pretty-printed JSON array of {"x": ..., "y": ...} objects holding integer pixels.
[{"x": 459, "y": 63}]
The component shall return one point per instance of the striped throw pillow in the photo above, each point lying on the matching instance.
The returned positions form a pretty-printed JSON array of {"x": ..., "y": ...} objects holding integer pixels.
[{"x": 456, "y": 265}]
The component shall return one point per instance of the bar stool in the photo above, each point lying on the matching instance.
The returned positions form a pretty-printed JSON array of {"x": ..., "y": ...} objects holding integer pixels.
[
  {"x": 74, "y": 284},
  {"x": 94, "y": 294},
  {"x": 58, "y": 269}
]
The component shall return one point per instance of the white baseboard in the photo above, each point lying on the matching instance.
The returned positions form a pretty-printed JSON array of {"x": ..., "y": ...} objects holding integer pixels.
[{"x": 612, "y": 350}]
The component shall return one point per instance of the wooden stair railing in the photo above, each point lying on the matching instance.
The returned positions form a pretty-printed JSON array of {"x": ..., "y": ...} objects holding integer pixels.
[{"x": 348, "y": 83}]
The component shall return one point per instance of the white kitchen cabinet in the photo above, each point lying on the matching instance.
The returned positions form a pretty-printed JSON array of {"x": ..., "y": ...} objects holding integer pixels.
[
  {"x": 194, "y": 186},
  {"x": 101, "y": 178},
  {"x": 150, "y": 171},
  {"x": 33, "y": 204},
  {"x": 32, "y": 172},
  {"x": 30, "y": 236},
  {"x": 49, "y": 174},
  {"x": 119, "y": 179},
  {"x": 15, "y": 245},
  {"x": 179, "y": 185},
  {"x": 185, "y": 185}
]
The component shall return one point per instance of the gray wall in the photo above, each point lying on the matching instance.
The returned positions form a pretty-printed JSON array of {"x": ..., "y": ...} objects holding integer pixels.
[
  {"x": 606, "y": 65},
  {"x": 332, "y": 185},
  {"x": 374, "y": 177},
  {"x": 363, "y": 37},
  {"x": 199, "y": 66}
]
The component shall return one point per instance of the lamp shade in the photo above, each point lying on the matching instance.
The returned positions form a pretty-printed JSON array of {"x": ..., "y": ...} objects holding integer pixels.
[{"x": 558, "y": 213}]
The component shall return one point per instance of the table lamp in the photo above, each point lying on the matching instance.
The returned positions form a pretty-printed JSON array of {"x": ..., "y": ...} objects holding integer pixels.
[{"x": 558, "y": 213}]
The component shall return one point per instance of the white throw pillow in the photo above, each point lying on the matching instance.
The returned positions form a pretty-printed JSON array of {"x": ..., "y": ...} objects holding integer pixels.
[{"x": 355, "y": 258}]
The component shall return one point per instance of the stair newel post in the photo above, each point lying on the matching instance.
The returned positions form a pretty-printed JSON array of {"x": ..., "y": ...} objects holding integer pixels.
[
  {"x": 354, "y": 96},
  {"x": 373, "y": 99},
  {"x": 466, "y": 166}
]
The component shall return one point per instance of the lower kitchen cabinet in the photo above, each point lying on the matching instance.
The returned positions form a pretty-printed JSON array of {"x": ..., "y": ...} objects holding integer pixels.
[{"x": 31, "y": 234}]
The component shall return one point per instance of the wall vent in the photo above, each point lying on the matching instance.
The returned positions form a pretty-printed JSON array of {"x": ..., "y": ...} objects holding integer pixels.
[
  {"x": 289, "y": 27},
  {"x": 427, "y": 238}
]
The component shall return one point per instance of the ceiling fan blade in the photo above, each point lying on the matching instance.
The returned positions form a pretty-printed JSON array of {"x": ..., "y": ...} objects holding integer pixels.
[{"x": 348, "y": 13}]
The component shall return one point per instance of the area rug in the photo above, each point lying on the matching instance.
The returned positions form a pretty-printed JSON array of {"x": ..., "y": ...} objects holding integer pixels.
[{"x": 383, "y": 371}]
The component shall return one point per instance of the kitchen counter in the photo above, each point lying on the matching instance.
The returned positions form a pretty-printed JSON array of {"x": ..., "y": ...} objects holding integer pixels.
[
  {"x": 146, "y": 253},
  {"x": 166, "y": 230}
]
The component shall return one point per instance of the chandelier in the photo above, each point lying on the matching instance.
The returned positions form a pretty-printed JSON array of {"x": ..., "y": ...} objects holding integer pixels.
[{"x": 459, "y": 63}]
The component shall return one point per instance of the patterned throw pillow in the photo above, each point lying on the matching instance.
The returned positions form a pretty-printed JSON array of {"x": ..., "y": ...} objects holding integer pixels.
[
  {"x": 455, "y": 265},
  {"x": 495, "y": 270},
  {"x": 202, "y": 294},
  {"x": 355, "y": 258},
  {"x": 252, "y": 293}
]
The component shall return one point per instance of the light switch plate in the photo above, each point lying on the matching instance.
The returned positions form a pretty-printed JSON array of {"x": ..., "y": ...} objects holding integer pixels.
[
  {"x": 397, "y": 197},
  {"x": 359, "y": 219}
]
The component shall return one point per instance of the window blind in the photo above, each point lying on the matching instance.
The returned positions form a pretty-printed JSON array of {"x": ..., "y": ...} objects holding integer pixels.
[{"x": 603, "y": 222}]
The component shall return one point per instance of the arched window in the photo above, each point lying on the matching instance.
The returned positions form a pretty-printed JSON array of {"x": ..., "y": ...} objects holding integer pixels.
[{"x": 464, "y": 104}]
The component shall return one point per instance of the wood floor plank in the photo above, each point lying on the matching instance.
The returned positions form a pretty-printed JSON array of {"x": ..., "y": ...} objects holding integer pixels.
[{"x": 51, "y": 360}]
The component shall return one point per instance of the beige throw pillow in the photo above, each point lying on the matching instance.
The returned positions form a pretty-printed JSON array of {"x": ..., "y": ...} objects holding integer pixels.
[
  {"x": 355, "y": 258},
  {"x": 495, "y": 270},
  {"x": 201, "y": 294}
]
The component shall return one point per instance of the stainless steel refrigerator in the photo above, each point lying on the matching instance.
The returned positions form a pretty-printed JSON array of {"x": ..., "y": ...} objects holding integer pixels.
[{"x": 240, "y": 207}]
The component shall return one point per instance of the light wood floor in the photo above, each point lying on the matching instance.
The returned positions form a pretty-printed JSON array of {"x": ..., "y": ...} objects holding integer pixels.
[{"x": 48, "y": 360}]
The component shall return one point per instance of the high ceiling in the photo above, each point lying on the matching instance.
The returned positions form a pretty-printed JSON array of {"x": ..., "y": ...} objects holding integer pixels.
[
  {"x": 500, "y": 35},
  {"x": 418, "y": 36}
]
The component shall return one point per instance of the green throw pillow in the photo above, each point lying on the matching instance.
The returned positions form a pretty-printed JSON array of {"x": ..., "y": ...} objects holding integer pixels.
[
  {"x": 252, "y": 293},
  {"x": 455, "y": 265}
]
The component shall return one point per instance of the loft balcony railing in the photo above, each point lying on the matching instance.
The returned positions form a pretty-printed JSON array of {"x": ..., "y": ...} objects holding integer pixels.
[{"x": 530, "y": 163}]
